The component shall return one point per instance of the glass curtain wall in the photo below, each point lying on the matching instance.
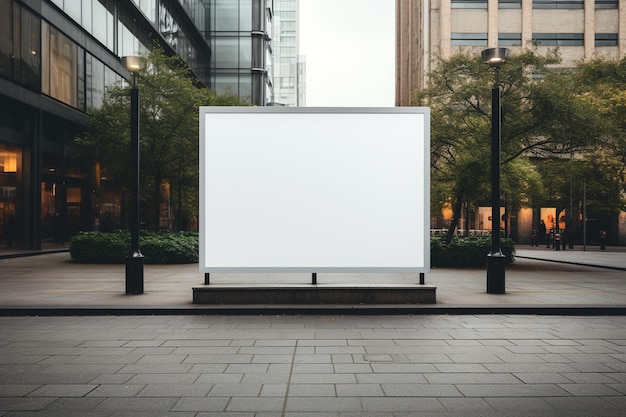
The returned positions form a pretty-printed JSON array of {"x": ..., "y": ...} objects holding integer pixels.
[{"x": 241, "y": 50}]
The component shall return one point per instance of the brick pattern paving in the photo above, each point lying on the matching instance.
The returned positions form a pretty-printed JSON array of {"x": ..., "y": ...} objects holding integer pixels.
[{"x": 313, "y": 366}]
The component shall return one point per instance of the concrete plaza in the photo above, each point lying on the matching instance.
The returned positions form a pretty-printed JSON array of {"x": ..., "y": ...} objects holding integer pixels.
[{"x": 156, "y": 354}]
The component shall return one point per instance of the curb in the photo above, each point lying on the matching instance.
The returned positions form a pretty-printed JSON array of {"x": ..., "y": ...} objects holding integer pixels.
[
  {"x": 563, "y": 310},
  {"x": 614, "y": 268}
]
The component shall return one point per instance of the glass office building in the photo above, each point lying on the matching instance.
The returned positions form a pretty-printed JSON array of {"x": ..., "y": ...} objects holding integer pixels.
[
  {"x": 56, "y": 59},
  {"x": 240, "y": 37}
]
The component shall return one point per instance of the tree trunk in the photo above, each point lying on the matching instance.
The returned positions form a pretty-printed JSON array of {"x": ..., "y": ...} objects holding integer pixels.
[
  {"x": 456, "y": 215},
  {"x": 157, "y": 202}
]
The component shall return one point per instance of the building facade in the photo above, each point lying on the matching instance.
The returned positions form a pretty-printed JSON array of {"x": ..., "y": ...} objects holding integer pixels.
[
  {"x": 289, "y": 66},
  {"x": 56, "y": 59},
  {"x": 429, "y": 29}
]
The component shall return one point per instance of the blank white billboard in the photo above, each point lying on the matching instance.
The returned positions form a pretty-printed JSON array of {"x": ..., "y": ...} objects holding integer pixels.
[{"x": 287, "y": 189}]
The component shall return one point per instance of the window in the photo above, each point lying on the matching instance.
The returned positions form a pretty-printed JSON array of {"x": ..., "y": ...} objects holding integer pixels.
[
  {"x": 510, "y": 4},
  {"x": 60, "y": 72},
  {"x": 509, "y": 39},
  {"x": 558, "y": 4},
  {"x": 606, "y": 39},
  {"x": 30, "y": 72},
  {"x": 94, "y": 81},
  {"x": 20, "y": 44},
  {"x": 559, "y": 39},
  {"x": 469, "y": 4},
  {"x": 6, "y": 38},
  {"x": 226, "y": 15},
  {"x": 468, "y": 39},
  {"x": 226, "y": 52},
  {"x": 607, "y": 4}
]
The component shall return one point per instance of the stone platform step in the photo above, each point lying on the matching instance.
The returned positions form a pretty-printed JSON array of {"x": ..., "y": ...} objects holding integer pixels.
[{"x": 314, "y": 294}]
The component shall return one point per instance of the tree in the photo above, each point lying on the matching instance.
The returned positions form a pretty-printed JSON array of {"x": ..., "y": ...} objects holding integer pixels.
[
  {"x": 541, "y": 116},
  {"x": 169, "y": 103}
]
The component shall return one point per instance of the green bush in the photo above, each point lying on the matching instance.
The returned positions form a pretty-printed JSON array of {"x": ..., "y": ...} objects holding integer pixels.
[
  {"x": 467, "y": 252},
  {"x": 114, "y": 247}
]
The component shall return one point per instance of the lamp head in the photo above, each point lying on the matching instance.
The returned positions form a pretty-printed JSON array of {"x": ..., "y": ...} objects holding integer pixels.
[
  {"x": 495, "y": 57},
  {"x": 132, "y": 63}
]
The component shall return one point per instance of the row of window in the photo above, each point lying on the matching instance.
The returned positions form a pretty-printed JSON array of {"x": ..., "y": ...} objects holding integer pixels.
[
  {"x": 40, "y": 57},
  {"x": 544, "y": 39},
  {"x": 537, "y": 4},
  {"x": 98, "y": 17}
]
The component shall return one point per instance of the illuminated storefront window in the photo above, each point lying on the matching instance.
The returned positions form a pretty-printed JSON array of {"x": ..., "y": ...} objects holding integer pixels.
[{"x": 10, "y": 171}]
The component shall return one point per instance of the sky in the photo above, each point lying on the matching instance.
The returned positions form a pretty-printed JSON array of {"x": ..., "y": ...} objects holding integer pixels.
[{"x": 350, "y": 52}]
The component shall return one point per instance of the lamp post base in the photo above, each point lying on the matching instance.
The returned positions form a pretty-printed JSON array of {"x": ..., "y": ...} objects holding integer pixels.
[
  {"x": 496, "y": 263},
  {"x": 134, "y": 274}
]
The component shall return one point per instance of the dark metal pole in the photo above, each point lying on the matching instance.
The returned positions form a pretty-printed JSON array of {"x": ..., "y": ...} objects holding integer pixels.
[
  {"x": 496, "y": 260},
  {"x": 134, "y": 262}
]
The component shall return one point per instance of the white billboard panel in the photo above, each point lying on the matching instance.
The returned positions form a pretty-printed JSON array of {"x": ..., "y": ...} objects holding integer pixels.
[{"x": 314, "y": 189}]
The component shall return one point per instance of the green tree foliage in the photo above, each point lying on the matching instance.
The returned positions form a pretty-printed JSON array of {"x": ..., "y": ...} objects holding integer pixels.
[
  {"x": 169, "y": 101},
  {"x": 600, "y": 87},
  {"x": 541, "y": 113}
]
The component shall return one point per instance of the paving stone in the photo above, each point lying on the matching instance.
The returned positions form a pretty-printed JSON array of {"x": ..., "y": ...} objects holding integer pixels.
[
  {"x": 25, "y": 403},
  {"x": 403, "y": 378},
  {"x": 175, "y": 390},
  {"x": 312, "y": 390},
  {"x": 235, "y": 390},
  {"x": 582, "y": 403},
  {"x": 116, "y": 390},
  {"x": 359, "y": 390},
  {"x": 420, "y": 390},
  {"x": 73, "y": 404},
  {"x": 152, "y": 378},
  {"x": 584, "y": 390},
  {"x": 323, "y": 404},
  {"x": 136, "y": 404},
  {"x": 413, "y": 405},
  {"x": 197, "y": 404},
  {"x": 62, "y": 390},
  {"x": 256, "y": 404},
  {"x": 522, "y": 405},
  {"x": 466, "y": 404},
  {"x": 511, "y": 390},
  {"x": 471, "y": 378},
  {"x": 17, "y": 390}
]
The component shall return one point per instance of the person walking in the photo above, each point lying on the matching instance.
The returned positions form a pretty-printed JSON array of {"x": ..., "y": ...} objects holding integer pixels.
[{"x": 543, "y": 233}]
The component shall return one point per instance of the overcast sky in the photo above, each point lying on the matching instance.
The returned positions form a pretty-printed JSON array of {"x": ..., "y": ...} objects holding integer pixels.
[{"x": 350, "y": 52}]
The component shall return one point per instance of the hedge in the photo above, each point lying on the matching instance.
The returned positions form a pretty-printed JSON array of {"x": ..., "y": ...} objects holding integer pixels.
[
  {"x": 114, "y": 247},
  {"x": 179, "y": 248},
  {"x": 467, "y": 252}
]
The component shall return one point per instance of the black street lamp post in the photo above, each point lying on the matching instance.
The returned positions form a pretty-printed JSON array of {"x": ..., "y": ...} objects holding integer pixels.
[
  {"x": 134, "y": 262},
  {"x": 496, "y": 260}
]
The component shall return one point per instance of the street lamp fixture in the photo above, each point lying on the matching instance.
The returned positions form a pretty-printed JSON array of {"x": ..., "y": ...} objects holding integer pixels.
[
  {"x": 134, "y": 262},
  {"x": 496, "y": 260}
]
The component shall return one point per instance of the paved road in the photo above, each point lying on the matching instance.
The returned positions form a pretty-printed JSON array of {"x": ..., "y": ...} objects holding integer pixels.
[{"x": 313, "y": 366}]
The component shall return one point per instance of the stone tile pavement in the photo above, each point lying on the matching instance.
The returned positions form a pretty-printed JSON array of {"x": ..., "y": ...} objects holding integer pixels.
[
  {"x": 313, "y": 366},
  {"x": 331, "y": 365}
]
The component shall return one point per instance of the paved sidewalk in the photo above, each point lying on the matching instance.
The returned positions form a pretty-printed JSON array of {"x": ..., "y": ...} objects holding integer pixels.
[
  {"x": 313, "y": 366},
  {"x": 541, "y": 279},
  {"x": 331, "y": 365}
]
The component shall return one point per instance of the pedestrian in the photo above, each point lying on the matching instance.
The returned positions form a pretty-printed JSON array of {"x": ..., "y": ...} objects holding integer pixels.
[
  {"x": 543, "y": 233},
  {"x": 602, "y": 239}
]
